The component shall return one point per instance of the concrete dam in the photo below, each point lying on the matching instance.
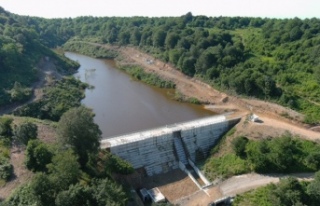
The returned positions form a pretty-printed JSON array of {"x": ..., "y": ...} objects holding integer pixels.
[{"x": 163, "y": 149}]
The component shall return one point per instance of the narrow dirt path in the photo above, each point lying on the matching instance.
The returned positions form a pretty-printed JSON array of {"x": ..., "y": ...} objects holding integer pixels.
[
  {"x": 21, "y": 173},
  {"x": 48, "y": 73}
]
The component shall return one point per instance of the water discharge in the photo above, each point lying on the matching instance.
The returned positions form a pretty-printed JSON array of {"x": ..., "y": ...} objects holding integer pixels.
[{"x": 123, "y": 105}]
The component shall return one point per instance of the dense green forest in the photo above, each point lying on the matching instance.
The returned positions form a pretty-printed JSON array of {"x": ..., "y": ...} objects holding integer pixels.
[
  {"x": 272, "y": 59},
  {"x": 20, "y": 52},
  {"x": 71, "y": 171},
  {"x": 287, "y": 193}
]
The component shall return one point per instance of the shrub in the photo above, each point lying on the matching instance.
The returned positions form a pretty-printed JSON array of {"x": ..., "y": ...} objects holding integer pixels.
[
  {"x": 6, "y": 169},
  {"x": 120, "y": 166},
  {"x": 26, "y": 131},
  {"x": 38, "y": 156},
  {"x": 239, "y": 146},
  {"x": 5, "y": 126}
]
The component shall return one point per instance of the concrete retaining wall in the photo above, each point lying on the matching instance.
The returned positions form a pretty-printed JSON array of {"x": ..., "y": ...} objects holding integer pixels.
[{"x": 154, "y": 149}]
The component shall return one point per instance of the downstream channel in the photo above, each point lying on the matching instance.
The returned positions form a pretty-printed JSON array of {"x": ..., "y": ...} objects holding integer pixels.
[{"x": 123, "y": 105}]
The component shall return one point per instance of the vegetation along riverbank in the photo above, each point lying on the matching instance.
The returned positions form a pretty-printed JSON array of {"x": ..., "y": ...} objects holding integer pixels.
[{"x": 269, "y": 67}]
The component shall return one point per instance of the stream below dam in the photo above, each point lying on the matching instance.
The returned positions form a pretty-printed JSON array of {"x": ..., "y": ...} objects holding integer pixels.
[{"x": 124, "y": 105}]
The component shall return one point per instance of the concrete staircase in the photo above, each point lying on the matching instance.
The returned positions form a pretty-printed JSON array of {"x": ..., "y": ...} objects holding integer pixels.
[{"x": 180, "y": 150}]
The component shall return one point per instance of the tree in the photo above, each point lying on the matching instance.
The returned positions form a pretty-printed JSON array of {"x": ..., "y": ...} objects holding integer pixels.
[
  {"x": 5, "y": 126},
  {"x": 124, "y": 37},
  {"x": 239, "y": 146},
  {"x": 257, "y": 155},
  {"x": 117, "y": 165},
  {"x": 174, "y": 55},
  {"x": 64, "y": 169},
  {"x": 171, "y": 40},
  {"x": 159, "y": 38},
  {"x": 41, "y": 187},
  {"x": 107, "y": 192},
  {"x": 295, "y": 33},
  {"x": 135, "y": 36},
  {"x": 112, "y": 36},
  {"x": 26, "y": 131},
  {"x": 187, "y": 17},
  {"x": 205, "y": 61},
  {"x": 188, "y": 66},
  {"x": 290, "y": 192},
  {"x": 313, "y": 160},
  {"x": 6, "y": 169},
  {"x": 281, "y": 154},
  {"x": 76, "y": 129},
  {"x": 76, "y": 195},
  {"x": 313, "y": 188},
  {"x": 38, "y": 156},
  {"x": 22, "y": 196}
]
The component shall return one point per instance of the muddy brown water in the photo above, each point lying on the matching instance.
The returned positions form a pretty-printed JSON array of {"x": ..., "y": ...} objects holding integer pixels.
[{"x": 123, "y": 105}]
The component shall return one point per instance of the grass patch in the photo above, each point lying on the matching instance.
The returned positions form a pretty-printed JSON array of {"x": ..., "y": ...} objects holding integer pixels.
[
  {"x": 90, "y": 50},
  {"x": 193, "y": 100},
  {"x": 285, "y": 154},
  {"x": 225, "y": 166},
  {"x": 222, "y": 141},
  {"x": 148, "y": 78},
  {"x": 178, "y": 96}
]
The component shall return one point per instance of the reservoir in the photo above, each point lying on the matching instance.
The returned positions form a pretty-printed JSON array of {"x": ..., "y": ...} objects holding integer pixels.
[{"x": 123, "y": 105}]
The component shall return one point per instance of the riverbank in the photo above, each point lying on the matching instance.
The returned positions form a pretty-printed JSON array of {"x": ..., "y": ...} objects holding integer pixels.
[
  {"x": 273, "y": 124},
  {"x": 276, "y": 117},
  {"x": 279, "y": 118}
]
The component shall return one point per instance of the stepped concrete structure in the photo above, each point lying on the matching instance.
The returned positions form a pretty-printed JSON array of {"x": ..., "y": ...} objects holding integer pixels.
[{"x": 163, "y": 149}]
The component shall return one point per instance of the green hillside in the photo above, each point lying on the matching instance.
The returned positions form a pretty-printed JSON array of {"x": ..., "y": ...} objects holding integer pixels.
[
  {"x": 20, "y": 52},
  {"x": 272, "y": 59}
]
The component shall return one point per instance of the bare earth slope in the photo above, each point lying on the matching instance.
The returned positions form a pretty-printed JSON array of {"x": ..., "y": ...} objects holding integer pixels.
[
  {"x": 270, "y": 113},
  {"x": 45, "y": 132}
]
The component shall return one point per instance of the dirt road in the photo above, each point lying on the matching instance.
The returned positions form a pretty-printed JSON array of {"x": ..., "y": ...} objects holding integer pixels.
[
  {"x": 236, "y": 185},
  {"x": 271, "y": 114}
]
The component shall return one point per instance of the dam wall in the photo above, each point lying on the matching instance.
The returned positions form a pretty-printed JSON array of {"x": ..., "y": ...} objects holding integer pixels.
[{"x": 158, "y": 151}]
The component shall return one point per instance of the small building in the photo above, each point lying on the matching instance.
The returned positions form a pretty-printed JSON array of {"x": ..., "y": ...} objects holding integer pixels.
[
  {"x": 255, "y": 118},
  {"x": 156, "y": 195},
  {"x": 153, "y": 194},
  {"x": 144, "y": 194}
]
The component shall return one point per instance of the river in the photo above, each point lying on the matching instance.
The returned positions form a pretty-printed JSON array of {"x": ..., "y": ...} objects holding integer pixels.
[{"x": 123, "y": 105}]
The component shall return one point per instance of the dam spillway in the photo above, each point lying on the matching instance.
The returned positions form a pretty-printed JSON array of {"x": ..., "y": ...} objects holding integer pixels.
[{"x": 159, "y": 150}]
